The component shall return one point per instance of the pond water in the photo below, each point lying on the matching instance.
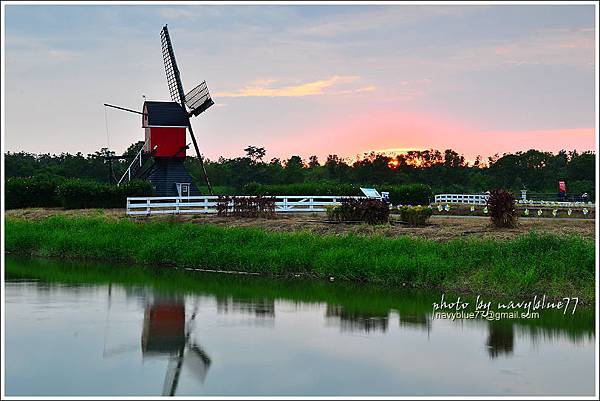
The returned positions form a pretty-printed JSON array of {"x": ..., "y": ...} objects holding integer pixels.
[{"x": 75, "y": 328}]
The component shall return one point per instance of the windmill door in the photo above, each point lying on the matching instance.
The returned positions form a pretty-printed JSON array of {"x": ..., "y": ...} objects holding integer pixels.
[{"x": 183, "y": 189}]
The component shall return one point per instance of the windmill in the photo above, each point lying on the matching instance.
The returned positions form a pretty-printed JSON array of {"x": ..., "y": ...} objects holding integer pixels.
[{"x": 160, "y": 160}]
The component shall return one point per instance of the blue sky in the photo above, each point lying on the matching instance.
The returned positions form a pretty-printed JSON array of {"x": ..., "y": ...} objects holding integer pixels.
[{"x": 308, "y": 79}]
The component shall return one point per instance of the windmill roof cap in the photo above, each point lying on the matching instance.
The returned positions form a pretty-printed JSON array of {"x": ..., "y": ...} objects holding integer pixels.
[{"x": 164, "y": 114}]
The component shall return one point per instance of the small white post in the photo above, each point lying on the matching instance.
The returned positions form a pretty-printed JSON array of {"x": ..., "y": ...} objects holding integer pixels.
[
  {"x": 177, "y": 205},
  {"x": 147, "y": 205},
  {"x": 524, "y": 194},
  {"x": 206, "y": 204}
]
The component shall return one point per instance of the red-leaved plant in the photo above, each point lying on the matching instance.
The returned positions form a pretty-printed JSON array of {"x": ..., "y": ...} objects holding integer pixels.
[
  {"x": 502, "y": 210},
  {"x": 246, "y": 206}
]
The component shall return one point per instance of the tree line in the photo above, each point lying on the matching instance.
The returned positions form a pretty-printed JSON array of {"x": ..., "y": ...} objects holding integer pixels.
[{"x": 445, "y": 171}]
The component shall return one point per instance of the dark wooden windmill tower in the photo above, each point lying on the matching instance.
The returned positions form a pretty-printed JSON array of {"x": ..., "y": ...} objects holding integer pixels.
[{"x": 160, "y": 161}]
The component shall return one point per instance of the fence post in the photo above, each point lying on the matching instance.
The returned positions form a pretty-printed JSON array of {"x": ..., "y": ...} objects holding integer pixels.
[
  {"x": 206, "y": 204},
  {"x": 177, "y": 205},
  {"x": 148, "y": 206}
]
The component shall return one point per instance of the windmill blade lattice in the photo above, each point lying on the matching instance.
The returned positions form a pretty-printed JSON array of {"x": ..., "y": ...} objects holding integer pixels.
[
  {"x": 173, "y": 76},
  {"x": 198, "y": 99},
  {"x": 178, "y": 95}
]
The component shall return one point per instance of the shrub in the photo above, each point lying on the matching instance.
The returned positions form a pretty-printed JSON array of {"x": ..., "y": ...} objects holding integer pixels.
[
  {"x": 220, "y": 190},
  {"x": 309, "y": 188},
  {"x": 409, "y": 194},
  {"x": 372, "y": 211},
  {"x": 222, "y": 205},
  {"x": 415, "y": 215},
  {"x": 246, "y": 206},
  {"x": 577, "y": 188},
  {"x": 333, "y": 212},
  {"x": 135, "y": 188},
  {"x": 31, "y": 192},
  {"x": 502, "y": 209},
  {"x": 70, "y": 193},
  {"x": 81, "y": 194},
  {"x": 265, "y": 206}
]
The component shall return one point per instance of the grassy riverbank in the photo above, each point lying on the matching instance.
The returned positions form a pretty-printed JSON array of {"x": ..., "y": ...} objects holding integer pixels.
[
  {"x": 358, "y": 302},
  {"x": 534, "y": 263}
]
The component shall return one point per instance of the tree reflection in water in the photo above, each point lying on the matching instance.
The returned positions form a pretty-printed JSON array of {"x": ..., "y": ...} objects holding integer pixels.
[
  {"x": 501, "y": 339},
  {"x": 415, "y": 320},
  {"x": 353, "y": 320},
  {"x": 261, "y": 308}
]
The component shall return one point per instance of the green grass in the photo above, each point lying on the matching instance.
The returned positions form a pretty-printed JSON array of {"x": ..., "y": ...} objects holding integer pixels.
[
  {"x": 357, "y": 300},
  {"x": 544, "y": 264}
]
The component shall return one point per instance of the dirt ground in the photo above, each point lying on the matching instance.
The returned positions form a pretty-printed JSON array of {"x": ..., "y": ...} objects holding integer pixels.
[{"x": 441, "y": 228}]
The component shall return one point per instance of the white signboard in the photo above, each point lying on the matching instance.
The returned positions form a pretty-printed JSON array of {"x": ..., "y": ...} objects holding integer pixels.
[{"x": 371, "y": 193}]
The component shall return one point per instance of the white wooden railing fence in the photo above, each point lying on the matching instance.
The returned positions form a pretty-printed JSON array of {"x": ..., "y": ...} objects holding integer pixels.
[
  {"x": 208, "y": 204},
  {"x": 480, "y": 199},
  {"x": 291, "y": 204}
]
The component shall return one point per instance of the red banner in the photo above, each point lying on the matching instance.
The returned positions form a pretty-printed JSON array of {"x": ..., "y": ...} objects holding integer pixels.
[{"x": 562, "y": 186}]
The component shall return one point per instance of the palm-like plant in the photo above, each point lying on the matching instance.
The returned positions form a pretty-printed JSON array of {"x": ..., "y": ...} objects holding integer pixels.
[{"x": 501, "y": 206}]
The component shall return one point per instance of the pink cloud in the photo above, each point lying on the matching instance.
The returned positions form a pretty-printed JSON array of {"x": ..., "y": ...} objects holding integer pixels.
[
  {"x": 352, "y": 135},
  {"x": 348, "y": 135}
]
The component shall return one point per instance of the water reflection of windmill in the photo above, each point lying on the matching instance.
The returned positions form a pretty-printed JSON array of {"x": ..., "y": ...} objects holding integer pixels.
[{"x": 167, "y": 332}]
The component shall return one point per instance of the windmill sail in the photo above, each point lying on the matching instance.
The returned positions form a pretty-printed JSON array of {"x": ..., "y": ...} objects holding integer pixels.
[
  {"x": 173, "y": 77},
  {"x": 178, "y": 95},
  {"x": 198, "y": 99}
]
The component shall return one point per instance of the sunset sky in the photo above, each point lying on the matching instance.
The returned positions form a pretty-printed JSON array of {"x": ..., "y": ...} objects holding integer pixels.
[{"x": 303, "y": 79}]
